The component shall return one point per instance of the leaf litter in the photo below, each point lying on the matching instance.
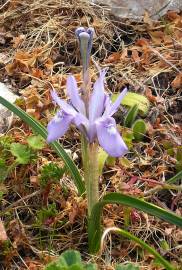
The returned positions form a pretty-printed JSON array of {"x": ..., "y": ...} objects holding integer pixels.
[{"x": 38, "y": 50}]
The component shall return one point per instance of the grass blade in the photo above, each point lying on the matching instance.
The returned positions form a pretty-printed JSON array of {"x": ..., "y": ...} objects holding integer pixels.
[
  {"x": 35, "y": 125},
  {"x": 151, "y": 250},
  {"x": 175, "y": 178},
  {"x": 94, "y": 228}
]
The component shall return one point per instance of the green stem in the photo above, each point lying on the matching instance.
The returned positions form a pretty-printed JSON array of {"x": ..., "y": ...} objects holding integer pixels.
[{"x": 91, "y": 175}]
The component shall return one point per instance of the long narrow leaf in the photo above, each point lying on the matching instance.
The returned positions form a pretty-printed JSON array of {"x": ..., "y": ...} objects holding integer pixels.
[
  {"x": 151, "y": 250},
  {"x": 94, "y": 228},
  {"x": 56, "y": 146},
  {"x": 175, "y": 178}
]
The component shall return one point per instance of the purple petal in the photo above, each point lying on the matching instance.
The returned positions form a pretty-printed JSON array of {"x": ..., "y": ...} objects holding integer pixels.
[
  {"x": 109, "y": 138},
  {"x": 64, "y": 106},
  {"x": 97, "y": 99},
  {"x": 92, "y": 133},
  {"x": 111, "y": 108},
  {"x": 58, "y": 126},
  {"x": 72, "y": 90},
  {"x": 81, "y": 120},
  {"x": 114, "y": 107}
]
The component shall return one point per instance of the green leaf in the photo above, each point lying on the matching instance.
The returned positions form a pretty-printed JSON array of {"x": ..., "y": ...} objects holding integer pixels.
[
  {"x": 175, "y": 178},
  {"x": 102, "y": 156},
  {"x": 94, "y": 228},
  {"x": 151, "y": 250},
  {"x": 72, "y": 257},
  {"x": 132, "y": 99},
  {"x": 22, "y": 153},
  {"x": 129, "y": 266},
  {"x": 131, "y": 115},
  {"x": 59, "y": 264},
  {"x": 69, "y": 260},
  {"x": 36, "y": 142},
  {"x": 90, "y": 267},
  {"x": 51, "y": 172},
  {"x": 139, "y": 129},
  {"x": 128, "y": 137},
  {"x": 56, "y": 146}
]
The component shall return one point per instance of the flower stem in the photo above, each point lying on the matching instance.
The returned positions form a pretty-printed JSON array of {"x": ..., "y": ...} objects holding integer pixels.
[{"x": 91, "y": 174}]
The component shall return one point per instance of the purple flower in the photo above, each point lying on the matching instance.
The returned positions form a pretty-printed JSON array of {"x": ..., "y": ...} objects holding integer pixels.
[{"x": 95, "y": 122}]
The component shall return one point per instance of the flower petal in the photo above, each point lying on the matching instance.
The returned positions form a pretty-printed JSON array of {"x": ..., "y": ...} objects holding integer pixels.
[
  {"x": 64, "y": 106},
  {"x": 109, "y": 138},
  {"x": 72, "y": 90},
  {"x": 97, "y": 99},
  {"x": 114, "y": 107},
  {"x": 58, "y": 126}
]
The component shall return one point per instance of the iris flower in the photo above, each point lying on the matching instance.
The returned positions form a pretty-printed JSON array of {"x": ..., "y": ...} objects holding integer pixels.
[{"x": 95, "y": 121}]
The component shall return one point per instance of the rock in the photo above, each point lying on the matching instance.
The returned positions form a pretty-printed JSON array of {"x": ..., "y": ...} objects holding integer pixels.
[
  {"x": 6, "y": 116},
  {"x": 136, "y": 8}
]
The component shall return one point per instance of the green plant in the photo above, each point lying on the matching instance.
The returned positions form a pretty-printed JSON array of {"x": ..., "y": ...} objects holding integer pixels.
[
  {"x": 131, "y": 99},
  {"x": 100, "y": 125},
  {"x": 46, "y": 212},
  {"x": 131, "y": 116},
  {"x": 139, "y": 129},
  {"x": 23, "y": 153},
  {"x": 127, "y": 267},
  {"x": 36, "y": 126},
  {"x": 51, "y": 173},
  {"x": 70, "y": 260}
]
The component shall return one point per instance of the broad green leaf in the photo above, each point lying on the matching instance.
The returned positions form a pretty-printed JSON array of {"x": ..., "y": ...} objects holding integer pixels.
[
  {"x": 35, "y": 125},
  {"x": 94, "y": 228},
  {"x": 131, "y": 115},
  {"x": 110, "y": 161},
  {"x": 139, "y": 129},
  {"x": 90, "y": 267},
  {"x": 72, "y": 257},
  {"x": 102, "y": 156},
  {"x": 128, "y": 137},
  {"x": 22, "y": 153},
  {"x": 59, "y": 264},
  {"x": 36, "y": 142},
  {"x": 69, "y": 260},
  {"x": 132, "y": 99},
  {"x": 129, "y": 266}
]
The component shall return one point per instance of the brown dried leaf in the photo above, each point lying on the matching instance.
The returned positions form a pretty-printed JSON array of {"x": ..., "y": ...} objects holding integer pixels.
[
  {"x": 157, "y": 37},
  {"x": 18, "y": 40},
  {"x": 114, "y": 57},
  {"x": 3, "y": 235},
  {"x": 142, "y": 42},
  {"x": 177, "y": 82},
  {"x": 135, "y": 56}
]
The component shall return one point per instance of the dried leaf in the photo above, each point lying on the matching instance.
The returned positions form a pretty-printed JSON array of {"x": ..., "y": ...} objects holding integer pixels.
[
  {"x": 3, "y": 235},
  {"x": 157, "y": 37},
  {"x": 18, "y": 40},
  {"x": 114, "y": 57},
  {"x": 177, "y": 82},
  {"x": 142, "y": 42},
  {"x": 135, "y": 56}
]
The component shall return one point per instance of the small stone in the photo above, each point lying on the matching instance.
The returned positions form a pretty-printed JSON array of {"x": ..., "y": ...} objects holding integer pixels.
[
  {"x": 6, "y": 116},
  {"x": 135, "y": 9}
]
